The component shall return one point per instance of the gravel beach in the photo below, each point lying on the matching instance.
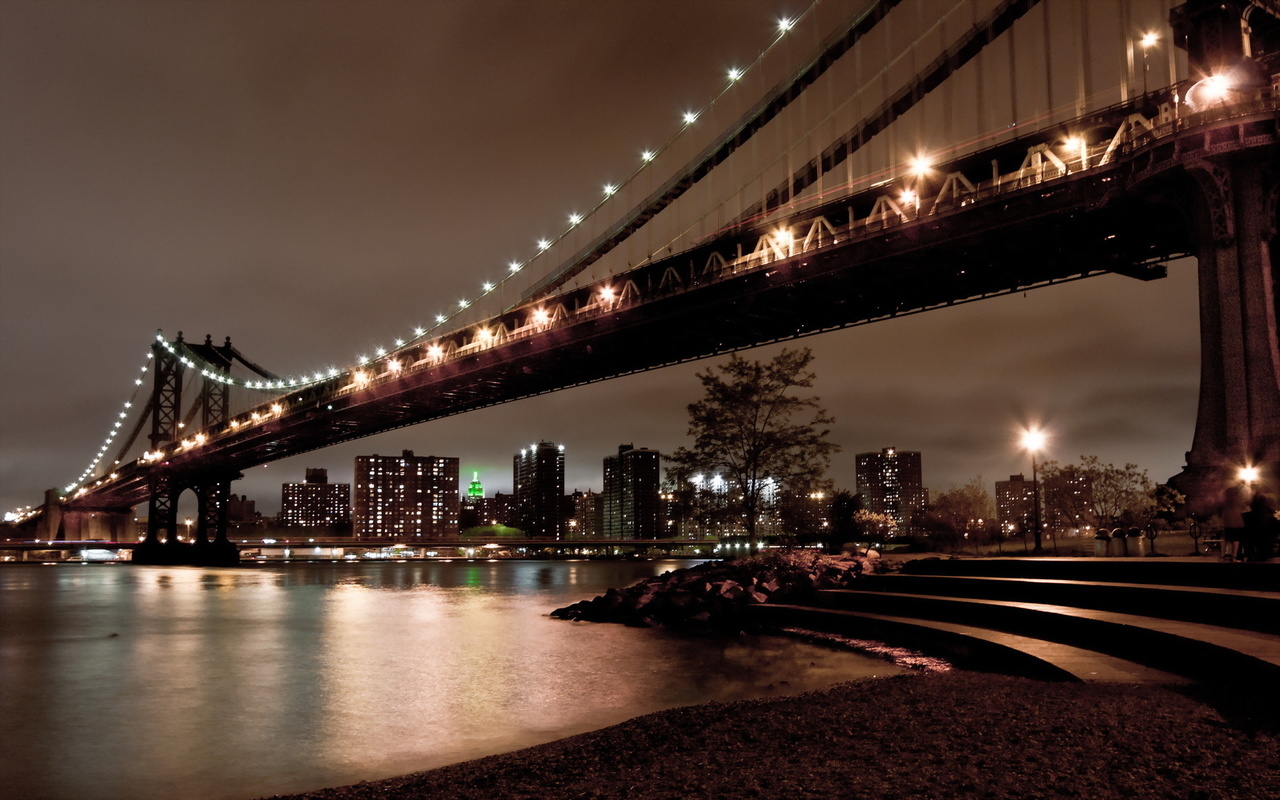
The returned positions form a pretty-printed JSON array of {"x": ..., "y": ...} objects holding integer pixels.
[{"x": 945, "y": 735}]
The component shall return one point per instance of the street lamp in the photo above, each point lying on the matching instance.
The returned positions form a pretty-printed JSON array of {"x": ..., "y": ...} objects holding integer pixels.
[{"x": 1032, "y": 442}]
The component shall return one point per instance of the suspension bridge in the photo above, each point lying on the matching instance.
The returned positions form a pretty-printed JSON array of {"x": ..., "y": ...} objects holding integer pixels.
[{"x": 831, "y": 232}]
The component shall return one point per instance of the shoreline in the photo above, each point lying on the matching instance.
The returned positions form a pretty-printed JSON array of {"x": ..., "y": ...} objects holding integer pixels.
[{"x": 945, "y": 735}]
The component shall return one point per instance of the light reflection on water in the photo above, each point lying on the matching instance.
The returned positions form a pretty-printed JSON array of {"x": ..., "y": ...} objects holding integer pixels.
[{"x": 154, "y": 682}]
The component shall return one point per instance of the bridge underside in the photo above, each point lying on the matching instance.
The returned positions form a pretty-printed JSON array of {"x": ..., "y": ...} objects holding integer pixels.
[{"x": 1024, "y": 240}]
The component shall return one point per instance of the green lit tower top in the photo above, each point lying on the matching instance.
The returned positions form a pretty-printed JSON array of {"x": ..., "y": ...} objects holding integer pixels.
[{"x": 475, "y": 489}]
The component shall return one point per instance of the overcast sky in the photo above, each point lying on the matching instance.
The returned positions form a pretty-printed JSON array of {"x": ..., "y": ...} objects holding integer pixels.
[{"x": 312, "y": 178}]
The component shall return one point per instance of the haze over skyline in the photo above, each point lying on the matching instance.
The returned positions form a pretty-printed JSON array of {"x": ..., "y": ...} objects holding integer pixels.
[{"x": 313, "y": 184}]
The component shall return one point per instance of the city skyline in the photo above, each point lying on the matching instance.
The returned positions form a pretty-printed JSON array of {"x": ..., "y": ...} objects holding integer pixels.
[{"x": 303, "y": 194}]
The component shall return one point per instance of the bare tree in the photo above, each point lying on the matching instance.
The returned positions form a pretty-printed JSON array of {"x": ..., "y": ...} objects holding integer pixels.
[
  {"x": 959, "y": 513},
  {"x": 750, "y": 428}
]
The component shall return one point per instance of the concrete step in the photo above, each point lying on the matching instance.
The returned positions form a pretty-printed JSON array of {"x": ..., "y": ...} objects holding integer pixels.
[
  {"x": 969, "y": 647},
  {"x": 1161, "y": 571},
  {"x": 1195, "y": 650},
  {"x": 1233, "y": 608}
]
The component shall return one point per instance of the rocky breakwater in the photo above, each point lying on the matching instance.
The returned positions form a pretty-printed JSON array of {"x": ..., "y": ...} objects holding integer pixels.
[{"x": 715, "y": 594}]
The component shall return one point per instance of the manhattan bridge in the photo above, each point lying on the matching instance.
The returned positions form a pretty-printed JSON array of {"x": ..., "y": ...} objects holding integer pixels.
[{"x": 1082, "y": 145}]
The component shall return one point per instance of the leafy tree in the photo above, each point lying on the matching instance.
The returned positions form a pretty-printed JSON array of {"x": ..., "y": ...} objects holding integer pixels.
[
  {"x": 750, "y": 428},
  {"x": 1097, "y": 494},
  {"x": 491, "y": 532},
  {"x": 874, "y": 526},
  {"x": 844, "y": 507},
  {"x": 957, "y": 512}
]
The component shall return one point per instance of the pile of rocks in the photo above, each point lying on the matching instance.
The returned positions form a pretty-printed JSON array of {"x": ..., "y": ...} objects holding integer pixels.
[{"x": 715, "y": 594}]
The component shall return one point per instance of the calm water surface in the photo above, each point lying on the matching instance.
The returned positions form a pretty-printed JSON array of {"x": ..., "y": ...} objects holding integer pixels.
[{"x": 118, "y": 681}]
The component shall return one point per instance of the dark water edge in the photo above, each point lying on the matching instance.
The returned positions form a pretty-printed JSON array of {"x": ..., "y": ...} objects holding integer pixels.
[{"x": 151, "y": 682}]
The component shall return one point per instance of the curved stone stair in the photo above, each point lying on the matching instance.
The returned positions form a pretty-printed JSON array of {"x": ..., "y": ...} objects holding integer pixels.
[{"x": 1117, "y": 625}]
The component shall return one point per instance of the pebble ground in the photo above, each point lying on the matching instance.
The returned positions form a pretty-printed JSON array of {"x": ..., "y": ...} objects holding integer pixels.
[{"x": 912, "y": 737}]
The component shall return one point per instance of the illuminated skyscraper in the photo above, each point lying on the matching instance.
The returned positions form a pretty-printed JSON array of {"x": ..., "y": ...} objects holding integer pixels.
[
  {"x": 631, "y": 494},
  {"x": 315, "y": 503},
  {"x": 472, "y": 503},
  {"x": 890, "y": 484},
  {"x": 538, "y": 471},
  {"x": 406, "y": 497}
]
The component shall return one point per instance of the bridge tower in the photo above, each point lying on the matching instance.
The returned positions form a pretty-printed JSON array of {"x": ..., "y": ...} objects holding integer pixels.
[
  {"x": 162, "y": 544},
  {"x": 1234, "y": 223}
]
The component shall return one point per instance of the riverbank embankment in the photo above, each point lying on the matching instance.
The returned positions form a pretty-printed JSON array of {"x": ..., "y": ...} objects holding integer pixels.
[{"x": 949, "y": 735}]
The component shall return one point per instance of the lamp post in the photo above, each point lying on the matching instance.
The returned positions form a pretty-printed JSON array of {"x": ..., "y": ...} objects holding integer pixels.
[{"x": 1032, "y": 441}]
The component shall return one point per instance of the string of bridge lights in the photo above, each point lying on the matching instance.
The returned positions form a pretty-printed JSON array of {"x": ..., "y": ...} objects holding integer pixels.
[
  {"x": 116, "y": 426},
  {"x": 734, "y": 75}
]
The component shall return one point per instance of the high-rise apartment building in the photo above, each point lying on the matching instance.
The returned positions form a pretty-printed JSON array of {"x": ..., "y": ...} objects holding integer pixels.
[
  {"x": 1066, "y": 503},
  {"x": 498, "y": 510},
  {"x": 406, "y": 497},
  {"x": 538, "y": 471},
  {"x": 315, "y": 502},
  {"x": 890, "y": 484},
  {"x": 587, "y": 521},
  {"x": 1015, "y": 504},
  {"x": 631, "y": 494}
]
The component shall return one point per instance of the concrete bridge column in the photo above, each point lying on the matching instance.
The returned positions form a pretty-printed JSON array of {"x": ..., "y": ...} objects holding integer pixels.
[
  {"x": 1238, "y": 424},
  {"x": 50, "y": 526}
]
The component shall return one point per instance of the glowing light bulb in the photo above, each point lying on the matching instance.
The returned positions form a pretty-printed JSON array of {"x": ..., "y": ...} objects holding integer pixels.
[
  {"x": 488, "y": 287},
  {"x": 647, "y": 156},
  {"x": 543, "y": 244},
  {"x": 921, "y": 165},
  {"x": 575, "y": 218},
  {"x": 610, "y": 189},
  {"x": 734, "y": 74},
  {"x": 514, "y": 266},
  {"x": 690, "y": 117},
  {"x": 785, "y": 24},
  {"x": 440, "y": 318},
  {"x": 1033, "y": 440}
]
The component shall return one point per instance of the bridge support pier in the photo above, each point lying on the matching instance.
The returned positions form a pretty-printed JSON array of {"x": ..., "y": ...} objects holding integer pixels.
[
  {"x": 1238, "y": 424},
  {"x": 79, "y": 524},
  {"x": 213, "y": 498},
  {"x": 163, "y": 545}
]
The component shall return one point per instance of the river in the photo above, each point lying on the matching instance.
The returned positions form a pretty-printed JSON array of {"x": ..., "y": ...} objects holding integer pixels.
[{"x": 121, "y": 681}]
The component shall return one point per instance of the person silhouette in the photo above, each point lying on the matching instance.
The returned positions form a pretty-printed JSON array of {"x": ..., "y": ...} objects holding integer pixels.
[
  {"x": 1259, "y": 529},
  {"x": 1235, "y": 502}
]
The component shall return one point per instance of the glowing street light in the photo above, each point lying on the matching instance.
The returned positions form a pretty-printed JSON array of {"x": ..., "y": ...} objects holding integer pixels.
[{"x": 1033, "y": 440}]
